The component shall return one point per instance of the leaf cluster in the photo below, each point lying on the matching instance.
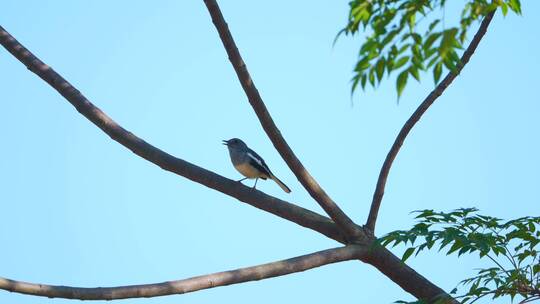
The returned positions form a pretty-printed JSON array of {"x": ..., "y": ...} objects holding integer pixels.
[
  {"x": 397, "y": 41},
  {"x": 511, "y": 246}
]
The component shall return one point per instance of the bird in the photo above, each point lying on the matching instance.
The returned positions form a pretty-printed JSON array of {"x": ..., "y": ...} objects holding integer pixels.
[{"x": 250, "y": 164}]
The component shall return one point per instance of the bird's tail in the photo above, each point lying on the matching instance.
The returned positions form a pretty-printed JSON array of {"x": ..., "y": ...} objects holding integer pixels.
[{"x": 280, "y": 183}]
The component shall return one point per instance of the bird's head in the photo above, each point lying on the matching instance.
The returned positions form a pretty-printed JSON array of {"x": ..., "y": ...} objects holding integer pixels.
[{"x": 235, "y": 144}]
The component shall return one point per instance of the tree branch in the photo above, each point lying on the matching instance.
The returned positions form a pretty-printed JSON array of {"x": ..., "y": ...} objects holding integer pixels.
[
  {"x": 231, "y": 277},
  {"x": 406, "y": 277},
  {"x": 309, "y": 183},
  {"x": 291, "y": 212},
  {"x": 381, "y": 258},
  {"x": 415, "y": 117}
]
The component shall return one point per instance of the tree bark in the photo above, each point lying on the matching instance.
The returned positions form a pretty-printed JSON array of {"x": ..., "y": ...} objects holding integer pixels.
[{"x": 406, "y": 277}]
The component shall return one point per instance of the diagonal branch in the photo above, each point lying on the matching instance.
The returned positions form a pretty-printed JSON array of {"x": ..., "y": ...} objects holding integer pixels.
[
  {"x": 309, "y": 183},
  {"x": 231, "y": 277},
  {"x": 406, "y": 277},
  {"x": 415, "y": 117},
  {"x": 291, "y": 212}
]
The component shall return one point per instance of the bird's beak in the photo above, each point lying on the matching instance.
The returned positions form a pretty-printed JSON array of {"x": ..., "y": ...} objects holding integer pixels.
[{"x": 226, "y": 143}]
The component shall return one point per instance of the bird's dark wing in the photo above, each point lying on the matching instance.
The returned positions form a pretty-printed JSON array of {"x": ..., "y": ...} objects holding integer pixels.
[{"x": 258, "y": 162}]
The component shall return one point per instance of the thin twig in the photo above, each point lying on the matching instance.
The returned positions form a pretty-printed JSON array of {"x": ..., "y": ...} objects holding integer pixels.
[
  {"x": 254, "y": 98},
  {"x": 506, "y": 254},
  {"x": 510, "y": 257},
  {"x": 236, "y": 276},
  {"x": 415, "y": 117},
  {"x": 498, "y": 264}
]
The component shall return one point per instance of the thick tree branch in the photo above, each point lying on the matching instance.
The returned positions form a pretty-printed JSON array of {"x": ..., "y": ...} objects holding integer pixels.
[
  {"x": 236, "y": 276},
  {"x": 406, "y": 277},
  {"x": 309, "y": 183},
  {"x": 415, "y": 117},
  {"x": 291, "y": 212}
]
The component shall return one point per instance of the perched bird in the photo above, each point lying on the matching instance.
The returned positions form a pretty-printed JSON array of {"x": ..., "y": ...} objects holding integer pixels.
[{"x": 249, "y": 163}]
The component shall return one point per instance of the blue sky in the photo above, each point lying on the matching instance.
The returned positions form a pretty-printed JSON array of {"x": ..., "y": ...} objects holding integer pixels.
[{"x": 79, "y": 209}]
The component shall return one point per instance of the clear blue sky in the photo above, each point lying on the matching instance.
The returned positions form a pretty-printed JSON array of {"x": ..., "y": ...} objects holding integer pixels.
[{"x": 79, "y": 209}]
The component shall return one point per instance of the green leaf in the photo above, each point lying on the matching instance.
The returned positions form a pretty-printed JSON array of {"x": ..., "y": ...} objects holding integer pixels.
[
  {"x": 531, "y": 226},
  {"x": 363, "y": 81},
  {"x": 434, "y": 24},
  {"x": 457, "y": 245},
  {"x": 369, "y": 46},
  {"x": 401, "y": 62},
  {"x": 389, "y": 37},
  {"x": 401, "y": 82},
  {"x": 450, "y": 65},
  {"x": 504, "y": 8},
  {"x": 403, "y": 48},
  {"x": 437, "y": 71},
  {"x": 430, "y": 40},
  {"x": 412, "y": 21},
  {"x": 362, "y": 64},
  {"x": 432, "y": 62},
  {"x": 536, "y": 269},
  {"x": 414, "y": 72},
  {"x": 355, "y": 81},
  {"x": 448, "y": 42},
  {"x": 379, "y": 68},
  {"x": 515, "y": 6},
  {"x": 417, "y": 38},
  {"x": 407, "y": 254},
  {"x": 372, "y": 78}
]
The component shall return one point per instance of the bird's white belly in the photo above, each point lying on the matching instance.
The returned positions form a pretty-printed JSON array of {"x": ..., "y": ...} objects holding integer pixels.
[{"x": 247, "y": 170}]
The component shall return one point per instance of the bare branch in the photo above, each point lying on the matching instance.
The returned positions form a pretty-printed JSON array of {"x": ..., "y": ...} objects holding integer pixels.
[
  {"x": 291, "y": 212},
  {"x": 236, "y": 276},
  {"x": 309, "y": 183},
  {"x": 415, "y": 117}
]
